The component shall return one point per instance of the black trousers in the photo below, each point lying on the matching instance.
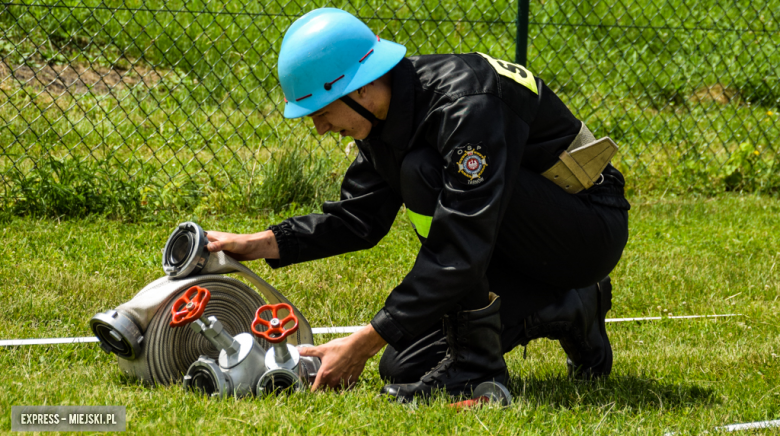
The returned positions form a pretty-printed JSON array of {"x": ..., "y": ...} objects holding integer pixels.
[{"x": 549, "y": 242}]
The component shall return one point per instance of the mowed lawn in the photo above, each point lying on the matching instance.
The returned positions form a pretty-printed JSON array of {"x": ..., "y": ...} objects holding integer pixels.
[{"x": 686, "y": 255}]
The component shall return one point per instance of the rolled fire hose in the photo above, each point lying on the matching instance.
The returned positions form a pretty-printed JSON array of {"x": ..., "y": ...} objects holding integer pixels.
[{"x": 138, "y": 331}]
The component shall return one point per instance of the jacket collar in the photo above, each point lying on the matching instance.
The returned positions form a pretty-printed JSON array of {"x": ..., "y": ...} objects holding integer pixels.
[{"x": 399, "y": 124}]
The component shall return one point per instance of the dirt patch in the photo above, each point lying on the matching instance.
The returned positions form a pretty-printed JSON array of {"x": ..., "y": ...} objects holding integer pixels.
[
  {"x": 716, "y": 93},
  {"x": 77, "y": 78}
]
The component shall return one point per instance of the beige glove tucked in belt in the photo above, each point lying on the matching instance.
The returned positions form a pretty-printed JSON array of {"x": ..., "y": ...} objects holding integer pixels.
[{"x": 580, "y": 166}]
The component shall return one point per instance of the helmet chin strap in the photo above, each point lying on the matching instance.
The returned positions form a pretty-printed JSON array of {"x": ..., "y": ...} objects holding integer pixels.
[{"x": 359, "y": 109}]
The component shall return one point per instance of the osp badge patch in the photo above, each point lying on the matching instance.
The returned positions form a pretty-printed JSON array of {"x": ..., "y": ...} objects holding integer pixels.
[{"x": 472, "y": 163}]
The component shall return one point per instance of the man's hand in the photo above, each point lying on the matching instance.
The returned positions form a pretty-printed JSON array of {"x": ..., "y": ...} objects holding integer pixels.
[
  {"x": 343, "y": 359},
  {"x": 244, "y": 247}
]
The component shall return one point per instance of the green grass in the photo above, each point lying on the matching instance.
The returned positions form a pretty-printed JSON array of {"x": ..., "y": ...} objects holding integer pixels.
[{"x": 686, "y": 255}]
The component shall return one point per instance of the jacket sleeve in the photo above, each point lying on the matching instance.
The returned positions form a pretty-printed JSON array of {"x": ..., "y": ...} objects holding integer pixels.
[
  {"x": 359, "y": 220},
  {"x": 453, "y": 259}
]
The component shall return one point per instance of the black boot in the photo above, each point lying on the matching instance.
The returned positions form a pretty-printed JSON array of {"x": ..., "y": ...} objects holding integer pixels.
[
  {"x": 577, "y": 321},
  {"x": 473, "y": 356}
]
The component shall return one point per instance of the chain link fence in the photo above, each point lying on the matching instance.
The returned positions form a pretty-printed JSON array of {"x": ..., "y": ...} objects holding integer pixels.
[
  {"x": 181, "y": 97},
  {"x": 689, "y": 89}
]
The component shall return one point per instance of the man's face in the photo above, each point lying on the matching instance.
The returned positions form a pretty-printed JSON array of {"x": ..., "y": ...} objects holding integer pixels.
[{"x": 339, "y": 118}]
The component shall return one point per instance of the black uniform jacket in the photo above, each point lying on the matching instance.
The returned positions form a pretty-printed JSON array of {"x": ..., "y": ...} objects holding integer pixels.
[{"x": 495, "y": 112}]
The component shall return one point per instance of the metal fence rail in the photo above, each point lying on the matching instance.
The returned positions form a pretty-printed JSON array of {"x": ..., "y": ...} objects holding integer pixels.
[{"x": 183, "y": 94}]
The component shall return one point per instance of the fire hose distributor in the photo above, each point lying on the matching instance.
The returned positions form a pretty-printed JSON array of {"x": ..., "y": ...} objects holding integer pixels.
[
  {"x": 241, "y": 358},
  {"x": 287, "y": 369}
]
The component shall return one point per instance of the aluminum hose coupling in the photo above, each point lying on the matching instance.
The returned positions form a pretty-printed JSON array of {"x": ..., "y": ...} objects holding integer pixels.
[
  {"x": 117, "y": 333},
  {"x": 185, "y": 252},
  {"x": 241, "y": 359},
  {"x": 184, "y": 255},
  {"x": 286, "y": 368}
]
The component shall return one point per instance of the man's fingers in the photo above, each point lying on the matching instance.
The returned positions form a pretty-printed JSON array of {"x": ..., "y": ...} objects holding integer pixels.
[
  {"x": 317, "y": 381},
  {"x": 215, "y": 246},
  {"x": 219, "y": 241},
  {"x": 311, "y": 352},
  {"x": 340, "y": 368}
]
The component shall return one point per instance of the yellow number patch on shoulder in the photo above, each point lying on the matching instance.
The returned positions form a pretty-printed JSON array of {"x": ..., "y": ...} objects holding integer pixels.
[{"x": 515, "y": 72}]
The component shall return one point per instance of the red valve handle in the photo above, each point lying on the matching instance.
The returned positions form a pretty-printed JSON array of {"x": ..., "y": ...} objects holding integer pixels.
[
  {"x": 189, "y": 306},
  {"x": 278, "y": 330},
  {"x": 467, "y": 404}
]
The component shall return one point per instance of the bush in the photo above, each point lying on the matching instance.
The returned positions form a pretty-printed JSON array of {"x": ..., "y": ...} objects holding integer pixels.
[
  {"x": 296, "y": 178},
  {"x": 74, "y": 188}
]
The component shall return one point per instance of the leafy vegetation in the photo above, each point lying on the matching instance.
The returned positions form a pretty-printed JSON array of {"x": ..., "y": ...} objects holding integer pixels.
[
  {"x": 73, "y": 188},
  {"x": 182, "y": 95}
]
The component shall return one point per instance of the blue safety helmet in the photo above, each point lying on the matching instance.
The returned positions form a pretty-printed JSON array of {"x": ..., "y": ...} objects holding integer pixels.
[{"x": 325, "y": 55}]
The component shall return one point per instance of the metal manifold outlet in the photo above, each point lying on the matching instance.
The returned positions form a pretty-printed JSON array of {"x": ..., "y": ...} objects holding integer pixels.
[
  {"x": 244, "y": 367},
  {"x": 286, "y": 369}
]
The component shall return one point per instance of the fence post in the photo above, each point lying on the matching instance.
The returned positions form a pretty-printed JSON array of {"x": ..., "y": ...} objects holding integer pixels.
[{"x": 521, "y": 43}]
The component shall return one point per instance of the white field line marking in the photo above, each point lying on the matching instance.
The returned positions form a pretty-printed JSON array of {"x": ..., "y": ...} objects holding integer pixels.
[
  {"x": 48, "y": 341},
  {"x": 750, "y": 425},
  {"x": 316, "y": 331},
  {"x": 745, "y": 426},
  {"x": 324, "y": 330},
  {"x": 657, "y": 318}
]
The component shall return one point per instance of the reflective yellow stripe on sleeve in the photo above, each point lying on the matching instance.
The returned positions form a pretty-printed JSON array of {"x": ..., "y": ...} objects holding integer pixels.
[{"x": 421, "y": 223}]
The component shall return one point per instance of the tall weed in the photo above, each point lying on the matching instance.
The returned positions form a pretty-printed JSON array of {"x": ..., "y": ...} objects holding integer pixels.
[
  {"x": 296, "y": 178},
  {"x": 75, "y": 188},
  {"x": 748, "y": 168},
  {"x": 72, "y": 187}
]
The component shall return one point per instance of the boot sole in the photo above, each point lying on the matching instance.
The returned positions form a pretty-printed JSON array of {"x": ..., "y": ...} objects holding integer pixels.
[{"x": 425, "y": 393}]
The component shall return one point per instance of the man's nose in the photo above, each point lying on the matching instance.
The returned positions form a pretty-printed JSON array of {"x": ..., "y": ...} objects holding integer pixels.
[{"x": 322, "y": 126}]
